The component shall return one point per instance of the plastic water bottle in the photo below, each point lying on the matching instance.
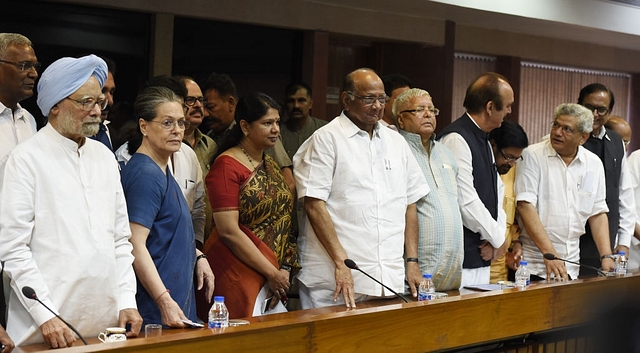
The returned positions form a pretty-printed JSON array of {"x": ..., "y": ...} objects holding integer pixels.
[
  {"x": 427, "y": 288},
  {"x": 523, "y": 277},
  {"x": 218, "y": 314},
  {"x": 621, "y": 263}
]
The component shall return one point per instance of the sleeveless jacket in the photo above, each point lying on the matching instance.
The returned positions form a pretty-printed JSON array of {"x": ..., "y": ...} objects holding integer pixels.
[{"x": 484, "y": 181}]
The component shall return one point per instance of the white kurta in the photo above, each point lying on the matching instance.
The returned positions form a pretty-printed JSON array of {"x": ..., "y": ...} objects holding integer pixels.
[
  {"x": 565, "y": 197},
  {"x": 367, "y": 184},
  {"x": 64, "y": 231}
]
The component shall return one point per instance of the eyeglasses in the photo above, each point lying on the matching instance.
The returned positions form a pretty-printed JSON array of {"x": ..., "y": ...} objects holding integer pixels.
[
  {"x": 510, "y": 159},
  {"x": 168, "y": 124},
  {"x": 565, "y": 129},
  {"x": 598, "y": 110},
  {"x": 422, "y": 111},
  {"x": 191, "y": 101},
  {"x": 87, "y": 104},
  {"x": 368, "y": 100},
  {"x": 24, "y": 66}
]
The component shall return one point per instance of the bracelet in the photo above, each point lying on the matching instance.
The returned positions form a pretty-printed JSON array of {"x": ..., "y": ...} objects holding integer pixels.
[
  {"x": 608, "y": 256},
  {"x": 166, "y": 291},
  {"x": 201, "y": 256},
  {"x": 412, "y": 259}
]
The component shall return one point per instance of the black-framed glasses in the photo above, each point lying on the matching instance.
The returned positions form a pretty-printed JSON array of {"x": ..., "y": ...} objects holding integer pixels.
[
  {"x": 24, "y": 66},
  {"x": 422, "y": 111},
  {"x": 87, "y": 104},
  {"x": 510, "y": 159},
  {"x": 598, "y": 110},
  {"x": 368, "y": 100},
  {"x": 190, "y": 101},
  {"x": 565, "y": 129},
  {"x": 168, "y": 124}
]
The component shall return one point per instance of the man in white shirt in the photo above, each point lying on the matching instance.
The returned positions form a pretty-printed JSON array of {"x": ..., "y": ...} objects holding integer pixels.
[
  {"x": 560, "y": 187},
  {"x": 64, "y": 229},
  {"x": 360, "y": 184},
  {"x": 18, "y": 73},
  {"x": 480, "y": 191}
]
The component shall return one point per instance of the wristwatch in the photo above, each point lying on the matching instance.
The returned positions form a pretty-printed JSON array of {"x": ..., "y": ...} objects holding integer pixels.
[{"x": 608, "y": 256}]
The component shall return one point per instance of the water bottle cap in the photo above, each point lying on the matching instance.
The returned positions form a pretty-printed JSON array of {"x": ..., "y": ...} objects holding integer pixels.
[
  {"x": 523, "y": 263},
  {"x": 218, "y": 298},
  {"x": 426, "y": 275},
  {"x": 621, "y": 253}
]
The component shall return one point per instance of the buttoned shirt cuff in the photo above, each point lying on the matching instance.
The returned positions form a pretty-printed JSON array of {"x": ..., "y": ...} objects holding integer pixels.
[
  {"x": 127, "y": 301},
  {"x": 624, "y": 239},
  {"x": 40, "y": 314}
]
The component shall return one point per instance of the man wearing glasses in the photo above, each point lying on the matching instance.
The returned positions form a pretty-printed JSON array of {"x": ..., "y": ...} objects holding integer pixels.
[
  {"x": 488, "y": 100},
  {"x": 65, "y": 230},
  {"x": 360, "y": 184},
  {"x": 440, "y": 243},
  {"x": 508, "y": 141},
  {"x": 609, "y": 147},
  {"x": 560, "y": 186},
  {"x": 18, "y": 73}
]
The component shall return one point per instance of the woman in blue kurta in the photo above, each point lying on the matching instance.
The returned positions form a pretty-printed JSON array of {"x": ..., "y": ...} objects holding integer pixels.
[{"x": 161, "y": 228}]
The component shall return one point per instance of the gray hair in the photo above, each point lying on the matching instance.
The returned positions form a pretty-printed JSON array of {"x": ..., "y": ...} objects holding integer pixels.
[
  {"x": 150, "y": 98},
  {"x": 406, "y": 96},
  {"x": 7, "y": 39},
  {"x": 584, "y": 115}
]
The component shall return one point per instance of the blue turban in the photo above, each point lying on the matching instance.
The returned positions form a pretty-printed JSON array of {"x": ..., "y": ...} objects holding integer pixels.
[{"x": 66, "y": 76}]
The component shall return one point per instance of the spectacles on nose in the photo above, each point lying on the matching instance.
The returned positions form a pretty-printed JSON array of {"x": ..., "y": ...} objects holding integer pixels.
[
  {"x": 598, "y": 110},
  {"x": 369, "y": 100},
  {"x": 422, "y": 111},
  {"x": 565, "y": 129},
  {"x": 87, "y": 104},
  {"x": 191, "y": 101},
  {"x": 510, "y": 159},
  {"x": 24, "y": 66},
  {"x": 168, "y": 124}
]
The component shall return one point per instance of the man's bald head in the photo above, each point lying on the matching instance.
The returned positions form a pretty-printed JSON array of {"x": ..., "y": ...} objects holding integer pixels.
[{"x": 621, "y": 127}]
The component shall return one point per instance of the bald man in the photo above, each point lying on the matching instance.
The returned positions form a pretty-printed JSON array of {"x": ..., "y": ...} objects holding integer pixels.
[
  {"x": 360, "y": 184},
  {"x": 65, "y": 230},
  {"x": 621, "y": 127}
]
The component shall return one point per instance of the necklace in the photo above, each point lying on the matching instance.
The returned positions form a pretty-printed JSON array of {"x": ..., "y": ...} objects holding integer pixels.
[{"x": 249, "y": 158}]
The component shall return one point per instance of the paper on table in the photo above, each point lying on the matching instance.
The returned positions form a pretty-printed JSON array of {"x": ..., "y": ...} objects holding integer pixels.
[{"x": 262, "y": 296}]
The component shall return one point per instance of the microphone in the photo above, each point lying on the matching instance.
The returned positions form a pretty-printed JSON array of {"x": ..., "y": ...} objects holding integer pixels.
[
  {"x": 31, "y": 294},
  {"x": 550, "y": 256},
  {"x": 352, "y": 265}
]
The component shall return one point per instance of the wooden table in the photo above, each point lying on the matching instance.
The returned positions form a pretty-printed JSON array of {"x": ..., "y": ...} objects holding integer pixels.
[{"x": 390, "y": 325}]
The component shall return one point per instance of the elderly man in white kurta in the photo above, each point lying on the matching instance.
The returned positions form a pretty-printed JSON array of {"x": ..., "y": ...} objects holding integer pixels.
[
  {"x": 559, "y": 187},
  {"x": 360, "y": 183},
  {"x": 64, "y": 229}
]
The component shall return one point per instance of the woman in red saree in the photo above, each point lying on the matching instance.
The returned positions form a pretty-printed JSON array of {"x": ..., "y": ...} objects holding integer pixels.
[{"x": 252, "y": 245}]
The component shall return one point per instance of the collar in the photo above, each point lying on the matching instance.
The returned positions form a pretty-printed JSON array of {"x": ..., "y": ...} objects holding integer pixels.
[
  {"x": 601, "y": 134},
  {"x": 352, "y": 129},
  {"x": 17, "y": 114},
  {"x": 63, "y": 141},
  {"x": 550, "y": 152},
  {"x": 415, "y": 139}
]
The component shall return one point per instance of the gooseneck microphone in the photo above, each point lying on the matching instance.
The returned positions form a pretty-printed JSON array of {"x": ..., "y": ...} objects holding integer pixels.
[
  {"x": 550, "y": 256},
  {"x": 31, "y": 294},
  {"x": 352, "y": 265}
]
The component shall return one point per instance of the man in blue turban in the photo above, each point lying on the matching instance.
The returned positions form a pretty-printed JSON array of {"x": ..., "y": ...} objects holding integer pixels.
[{"x": 64, "y": 229}]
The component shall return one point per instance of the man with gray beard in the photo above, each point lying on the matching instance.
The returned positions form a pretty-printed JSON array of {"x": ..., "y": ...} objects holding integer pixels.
[{"x": 64, "y": 229}]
